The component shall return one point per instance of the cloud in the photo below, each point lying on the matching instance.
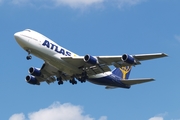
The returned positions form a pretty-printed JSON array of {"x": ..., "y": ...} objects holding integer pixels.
[
  {"x": 78, "y": 4},
  {"x": 159, "y": 116},
  {"x": 177, "y": 37},
  {"x": 58, "y": 3},
  {"x": 57, "y": 111},
  {"x": 123, "y": 3},
  {"x": 156, "y": 118},
  {"x": 103, "y": 118},
  {"x": 19, "y": 116},
  {"x": 20, "y": 2},
  {"x": 1, "y": 1}
]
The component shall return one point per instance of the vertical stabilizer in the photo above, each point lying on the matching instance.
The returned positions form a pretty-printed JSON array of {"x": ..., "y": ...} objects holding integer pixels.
[{"x": 122, "y": 72}]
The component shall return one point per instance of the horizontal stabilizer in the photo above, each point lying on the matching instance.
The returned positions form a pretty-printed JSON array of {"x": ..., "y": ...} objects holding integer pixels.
[
  {"x": 110, "y": 87},
  {"x": 136, "y": 81}
]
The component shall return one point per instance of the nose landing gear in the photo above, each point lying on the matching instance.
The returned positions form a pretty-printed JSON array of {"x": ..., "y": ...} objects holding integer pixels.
[{"x": 29, "y": 55}]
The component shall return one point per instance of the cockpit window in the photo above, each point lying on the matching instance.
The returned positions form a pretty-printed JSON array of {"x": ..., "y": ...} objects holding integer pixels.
[{"x": 28, "y": 30}]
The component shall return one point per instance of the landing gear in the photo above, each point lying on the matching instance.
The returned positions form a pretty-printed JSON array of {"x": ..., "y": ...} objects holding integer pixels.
[
  {"x": 83, "y": 77},
  {"x": 74, "y": 78},
  {"x": 73, "y": 81},
  {"x": 60, "y": 82},
  {"x": 29, "y": 55},
  {"x": 82, "y": 80}
]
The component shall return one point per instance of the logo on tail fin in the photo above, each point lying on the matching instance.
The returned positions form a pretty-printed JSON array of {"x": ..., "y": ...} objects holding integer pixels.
[{"x": 125, "y": 71}]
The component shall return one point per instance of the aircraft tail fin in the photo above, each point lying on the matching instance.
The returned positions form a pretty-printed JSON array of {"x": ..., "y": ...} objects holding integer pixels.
[
  {"x": 136, "y": 81},
  {"x": 123, "y": 72}
]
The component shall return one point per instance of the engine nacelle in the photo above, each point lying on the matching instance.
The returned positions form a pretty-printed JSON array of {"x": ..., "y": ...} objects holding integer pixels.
[
  {"x": 90, "y": 59},
  {"x": 34, "y": 71},
  {"x": 32, "y": 80},
  {"x": 128, "y": 59}
]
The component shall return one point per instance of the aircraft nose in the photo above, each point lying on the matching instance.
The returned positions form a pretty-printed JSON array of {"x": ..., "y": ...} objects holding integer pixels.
[{"x": 17, "y": 35}]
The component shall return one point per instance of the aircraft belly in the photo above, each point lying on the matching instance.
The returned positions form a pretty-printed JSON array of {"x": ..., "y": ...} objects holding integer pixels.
[{"x": 56, "y": 62}]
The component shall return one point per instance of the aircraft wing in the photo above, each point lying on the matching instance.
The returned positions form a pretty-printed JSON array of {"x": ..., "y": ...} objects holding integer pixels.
[
  {"x": 48, "y": 73},
  {"x": 105, "y": 61},
  {"x": 142, "y": 57},
  {"x": 89, "y": 68},
  {"x": 136, "y": 81},
  {"x": 113, "y": 60}
]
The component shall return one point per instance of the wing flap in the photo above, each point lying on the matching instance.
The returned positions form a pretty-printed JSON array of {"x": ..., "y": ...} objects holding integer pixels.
[
  {"x": 90, "y": 69},
  {"x": 49, "y": 74},
  {"x": 136, "y": 81}
]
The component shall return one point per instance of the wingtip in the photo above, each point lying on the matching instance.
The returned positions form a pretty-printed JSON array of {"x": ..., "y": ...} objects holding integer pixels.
[
  {"x": 152, "y": 79},
  {"x": 165, "y": 55}
]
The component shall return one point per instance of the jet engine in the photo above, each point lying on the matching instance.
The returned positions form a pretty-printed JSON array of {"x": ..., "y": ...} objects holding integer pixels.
[
  {"x": 32, "y": 80},
  {"x": 90, "y": 59},
  {"x": 128, "y": 59},
  {"x": 34, "y": 71}
]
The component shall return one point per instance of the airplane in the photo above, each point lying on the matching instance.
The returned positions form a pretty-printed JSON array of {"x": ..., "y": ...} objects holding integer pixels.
[{"x": 62, "y": 65}]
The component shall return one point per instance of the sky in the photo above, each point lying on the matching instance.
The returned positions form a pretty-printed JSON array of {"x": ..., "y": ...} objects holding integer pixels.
[{"x": 95, "y": 27}]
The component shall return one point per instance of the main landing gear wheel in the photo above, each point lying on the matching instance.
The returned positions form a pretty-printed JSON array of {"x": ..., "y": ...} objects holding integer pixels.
[
  {"x": 59, "y": 81},
  {"x": 83, "y": 80},
  {"x": 73, "y": 81},
  {"x": 29, "y": 57},
  {"x": 83, "y": 77}
]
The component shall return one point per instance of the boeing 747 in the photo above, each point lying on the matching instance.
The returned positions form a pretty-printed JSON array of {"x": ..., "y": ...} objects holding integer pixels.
[{"x": 61, "y": 64}]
